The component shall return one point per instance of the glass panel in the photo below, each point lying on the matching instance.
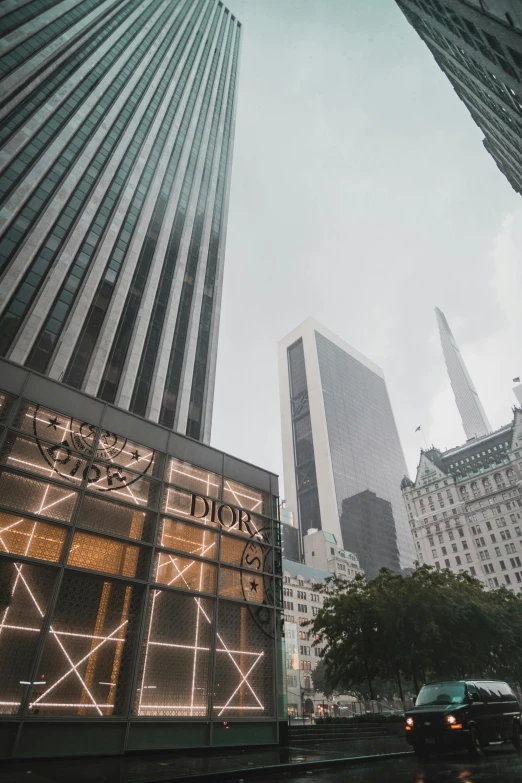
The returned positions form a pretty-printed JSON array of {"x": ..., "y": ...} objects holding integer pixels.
[
  {"x": 245, "y": 586},
  {"x": 246, "y": 554},
  {"x": 246, "y": 497},
  {"x": 25, "y": 591},
  {"x": 179, "y": 635},
  {"x": 20, "y": 536},
  {"x": 188, "y": 538},
  {"x": 182, "y": 572},
  {"x": 244, "y": 678},
  {"x": 50, "y": 425},
  {"x": 108, "y": 554},
  {"x": 88, "y": 653},
  {"x": 6, "y": 403},
  {"x": 184, "y": 504},
  {"x": 54, "y": 461},
  {"x": 36, "y": 496},
  {"x": 116, "y": 518},
  {"x": 183, "y": 474},
  {"x": 125, "y": 485}
]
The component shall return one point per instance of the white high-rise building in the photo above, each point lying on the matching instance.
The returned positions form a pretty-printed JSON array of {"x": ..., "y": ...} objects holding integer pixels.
[
  {"x": 342, "y": 457},
  {"x": 474, "y": 419}
]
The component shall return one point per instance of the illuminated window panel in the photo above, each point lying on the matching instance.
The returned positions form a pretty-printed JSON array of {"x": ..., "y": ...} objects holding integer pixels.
[
  {"x": 176, "y": 571},
  {"x": 251, "y": 554},
  {"x": 185, "y": 504},
  {"x": 25, "y": 591},
  {"x": 22, "y": 536},
  {"x": 192, "y": 539},
  {"x": 55, "y": 461},
  {"x": 246, "y": 497},
  {"x": 89, "y": 650},
  {"x": 128, "y": 454},
  {"x": 244, "y": 673},
  {"x": 123, "y": 485},
  {"x": 56, "y": 427},
  {"x": 116, "y": 518},
  {"x": 176, "y": 657},
  {"x": 107, "y": 554},
  {"x": 245, "y": 586},
  {"x": 36, "y": 497},
  {"x": 183, "y": 474},
  {"x": 6, "y": 403}
]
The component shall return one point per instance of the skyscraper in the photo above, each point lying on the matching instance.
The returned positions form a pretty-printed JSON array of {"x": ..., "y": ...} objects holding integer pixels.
[
  {"x": 474, "y": 419},
  {"x": 478, "y": 45},
  {"x": 342, "y": 457},
  {"x": 117, "y": 124}
]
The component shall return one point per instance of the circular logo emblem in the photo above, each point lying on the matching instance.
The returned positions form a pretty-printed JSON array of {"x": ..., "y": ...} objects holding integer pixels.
[
  {"x": 257, "y": 556},
  {"x": 71, "y": 436}
]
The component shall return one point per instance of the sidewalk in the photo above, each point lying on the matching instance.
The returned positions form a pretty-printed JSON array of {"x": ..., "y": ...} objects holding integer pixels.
[{"x": 192, "y": 766}]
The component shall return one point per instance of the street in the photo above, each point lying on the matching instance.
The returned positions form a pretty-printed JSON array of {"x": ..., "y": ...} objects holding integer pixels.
[{"x": 499, "y": 764}]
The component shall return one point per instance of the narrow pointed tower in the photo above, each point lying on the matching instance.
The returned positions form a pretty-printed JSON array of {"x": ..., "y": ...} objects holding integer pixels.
[{"x": 474, "y": 419}]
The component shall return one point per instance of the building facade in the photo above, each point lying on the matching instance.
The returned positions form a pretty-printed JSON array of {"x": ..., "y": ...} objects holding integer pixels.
[
  {"x": 116, "y": 143},
  {"x": 290, "y": 538},
  {"x": 340, "y": 440},
  {"x": 474, "y": 419},
  {"x": 301, "y": 603},
  {"x": 465, "y": 507},
  {"x": 478, "y": 45},
  {"x": 140, "y": 582},
  {"x": 322, "y": 551}
]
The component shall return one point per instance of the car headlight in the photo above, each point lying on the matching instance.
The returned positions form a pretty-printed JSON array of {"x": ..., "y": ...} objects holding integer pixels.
[
  {"x": 452, "y": 722},
  {"x": 409, "y": 721}
]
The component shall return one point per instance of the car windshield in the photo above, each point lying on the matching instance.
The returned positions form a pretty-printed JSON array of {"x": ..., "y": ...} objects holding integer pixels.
[{"x": 441, "y": 693}]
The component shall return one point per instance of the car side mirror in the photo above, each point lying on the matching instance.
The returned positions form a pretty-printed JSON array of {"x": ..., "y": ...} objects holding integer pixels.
[{"x": 475, "y": 697}]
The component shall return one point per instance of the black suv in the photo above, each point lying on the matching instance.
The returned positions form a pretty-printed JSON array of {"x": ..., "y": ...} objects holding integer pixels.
[{"x": 463, "y": 714}]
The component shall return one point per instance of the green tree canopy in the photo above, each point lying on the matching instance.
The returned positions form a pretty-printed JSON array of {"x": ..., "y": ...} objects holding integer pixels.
[{"x": 430, "y": 625}]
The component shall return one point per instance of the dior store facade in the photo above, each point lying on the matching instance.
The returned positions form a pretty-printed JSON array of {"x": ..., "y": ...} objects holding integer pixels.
[{"x": 140, "y": 582}]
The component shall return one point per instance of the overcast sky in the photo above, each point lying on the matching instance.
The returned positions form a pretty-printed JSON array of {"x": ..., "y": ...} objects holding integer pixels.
[{"x": 361, "y": 195}]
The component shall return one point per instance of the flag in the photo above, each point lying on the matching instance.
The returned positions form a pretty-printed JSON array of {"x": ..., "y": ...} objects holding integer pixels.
[
  {"x": 516, "y": 380},
  {"x": 418, "y": 429}
]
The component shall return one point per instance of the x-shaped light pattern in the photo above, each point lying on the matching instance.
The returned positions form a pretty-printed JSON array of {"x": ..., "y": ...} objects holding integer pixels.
[
  {"x": 21, "y": 580},
  {"x": 196, "y": 647},
  {"x": 112, "y": 636}
]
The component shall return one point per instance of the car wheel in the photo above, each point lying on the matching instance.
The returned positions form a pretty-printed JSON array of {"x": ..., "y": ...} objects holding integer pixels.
[
  {"x": 517, "y": 735},
  {"x": 421, "y": 751},
  {"x": 475, "y": 745}
]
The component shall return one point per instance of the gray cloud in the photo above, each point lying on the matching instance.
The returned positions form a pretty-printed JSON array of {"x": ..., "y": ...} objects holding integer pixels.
[{"x": 361, "y": 195}]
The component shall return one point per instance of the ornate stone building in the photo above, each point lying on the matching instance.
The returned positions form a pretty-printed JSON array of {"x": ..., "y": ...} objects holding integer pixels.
[{"x": 465, "y": 507}]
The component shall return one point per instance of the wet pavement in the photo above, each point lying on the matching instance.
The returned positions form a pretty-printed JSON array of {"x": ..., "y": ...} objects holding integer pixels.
[
  {"x": 499, "y": 765},
  {"x": 356, "y": 762},
  {"x": 179, "y": 766}
]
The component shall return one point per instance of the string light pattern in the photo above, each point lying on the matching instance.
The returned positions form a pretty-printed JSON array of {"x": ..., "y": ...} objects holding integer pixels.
[{"x": 94, "y": 504}]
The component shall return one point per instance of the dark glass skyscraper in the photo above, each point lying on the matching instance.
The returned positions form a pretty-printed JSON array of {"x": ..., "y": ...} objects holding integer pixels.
[
  {"x": 116, "y": 141},
  {"x": 342, "y": 457},
  {"x": 478, "y": 45}
]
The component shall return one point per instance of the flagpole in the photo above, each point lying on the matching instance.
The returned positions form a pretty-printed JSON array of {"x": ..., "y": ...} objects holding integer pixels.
[{"x": 419, "y": 429}]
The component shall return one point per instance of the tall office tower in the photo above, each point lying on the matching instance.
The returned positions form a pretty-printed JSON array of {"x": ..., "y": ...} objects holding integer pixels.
[
  {"x": 342, "y": 458},
  {"x": 474, "y": 419},
  {"x": 116, "y": 142},
  {"x": 478, "y": 45}
]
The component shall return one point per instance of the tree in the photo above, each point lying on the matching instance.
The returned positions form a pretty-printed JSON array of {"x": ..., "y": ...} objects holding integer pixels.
[
  {"x": 320, "y": 680},
  {"x": 430, "y": 625}
]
